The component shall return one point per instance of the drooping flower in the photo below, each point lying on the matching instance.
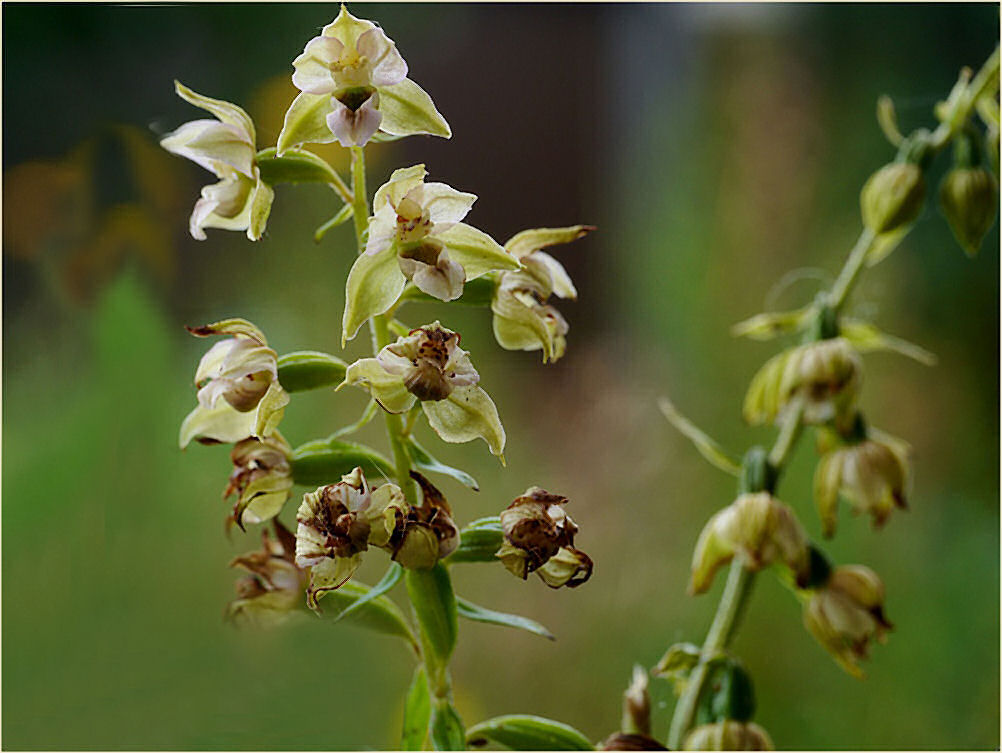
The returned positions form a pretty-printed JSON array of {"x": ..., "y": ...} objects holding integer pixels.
[
  {"x": 429, "y": 366},
  {"x": 423, "y": 534},
  {"x": 225, "y": 147},
  {"x": 261, "y": 478},
  {"x": 523, "y": 320},
  {"x": 728, "y": 734},
  {"x": 416, "y": 234},
  {"x": 825, "y": 375},
  {"x": 353, "y": 83},
  {"x": 871, "y": 473},
  {"x": 760, "y": 529},
  {"x": 539, "y": 538},
  {"x": 239, "y": 394},
  {"x": 270, "y": 593},
  {"x": 847, "y": 612},
  {"x": 336, "y": 524}
]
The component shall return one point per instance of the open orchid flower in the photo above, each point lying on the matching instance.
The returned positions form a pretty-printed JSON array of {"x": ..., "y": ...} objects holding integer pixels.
[
  {"x": 225, "y": 147},
  {"x": 416, "y": 234},
  {"x": 353, "y": 83}
]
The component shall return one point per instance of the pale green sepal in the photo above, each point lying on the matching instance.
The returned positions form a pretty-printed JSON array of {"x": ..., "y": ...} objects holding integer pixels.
[
  {"x": 234, "y": 326},
  {"x": 417, "y": 712},
  {"x": 267, "y": 611},
  {"x": 390, "y": 578},
  {"x": 884, "y": 244},
  {"x": 346, "y": 28},
  {"x": 374, "y": 285},
  {"x": 511, "y": 335},
  {"x": 471, "y": 611},
  {"x": 425, "y": 462},
  {"x": 309, "y": 370},
  {"x": 222, "y": 423},
  {"x": 446, "y": 727},
  {"x": 868, "y": 338},
  {"x": 402, "y": 180},
  {"x": 887, "y": 119},
  {"x": 386, "y": 389},
  {"x": 260, "y": 208},
  {"x": 524, "y": 243},
  {"x": 380, "y": 615},
  {"x": 270, "y": 410},
  {"x": 325, "y": 461},
  {"x": 479, "y": 542},
  {"x": 294, "y": 166},
  {"x": 716, "y": 455},
  {"x": 677, "y": 664},
  {"x": 227, "y": 112},
  {"x": 771, "y": 324},
  {"x": 263, "y": 499},
  {"x": 476, "y": 251},
  {"x": 408, "y": 110},
  {"x": 306, "y": 122},
  {"x": 468, "y": 413},
  {"x": 478, "y": 292},
  {"x": 346, "y": 213},
  {"x": 329, "y": 575},
  {"x": 827, "y": 478},
  {"x": 526, "y": 732},
  {"x": 434, "y": 604}
]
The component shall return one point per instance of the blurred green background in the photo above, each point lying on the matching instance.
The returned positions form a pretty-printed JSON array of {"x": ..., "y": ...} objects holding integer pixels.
[{"x": 717, "y": 147}]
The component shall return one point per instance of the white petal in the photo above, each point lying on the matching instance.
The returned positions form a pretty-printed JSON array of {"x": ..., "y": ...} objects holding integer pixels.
[
  {"x": 386, "y": 66},
  {"x": 382, "y": 230},
  {"x": 400, "y": 183},
  {"x": 354, "y": 128},
  {"x": 313, "y": 74},
  {"x": 209, "y": 142},
  {"x": 445, "y": 205}
]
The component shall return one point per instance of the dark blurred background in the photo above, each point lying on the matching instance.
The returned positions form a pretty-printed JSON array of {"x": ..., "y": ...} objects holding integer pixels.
[{"x": 717, "y": 147}]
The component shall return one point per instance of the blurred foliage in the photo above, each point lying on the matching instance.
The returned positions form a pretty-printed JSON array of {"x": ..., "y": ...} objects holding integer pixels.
[{"x": 718, "y": 147}]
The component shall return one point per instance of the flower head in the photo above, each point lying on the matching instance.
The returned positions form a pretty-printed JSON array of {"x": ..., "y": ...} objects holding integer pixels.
[
  {"x": 539, "y": 538},
  {"x": 846, "y": 612},
  {"x": 758, "y": 527},
  {"x": 523, "y": 320},
  {"x": 728, "y": 734},
  {"x": 353, "y": 83},
  {"x": 429, "y": 366},
  {"x": 261, "y": 478},
  {"x": 270, "y": 593},
  {"x": 239, "y": 394},
  {"x": 825, "y": 375},
  {"x": 225, "y": 147},
  {"x": 416, "y": 234}
]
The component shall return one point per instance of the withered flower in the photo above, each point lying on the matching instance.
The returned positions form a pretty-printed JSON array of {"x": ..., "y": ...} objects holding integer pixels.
[
  {"x": 261, "y": 478},
  {"x": 539, "y": 538},
  {"x": 270, "y": 593},
  {"x": 621, "y": 741},
  {"x": 423, "y": 535}
]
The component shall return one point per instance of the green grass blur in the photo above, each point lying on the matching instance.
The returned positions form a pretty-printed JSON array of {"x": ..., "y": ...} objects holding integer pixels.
[{"x": 717, "y": 148}]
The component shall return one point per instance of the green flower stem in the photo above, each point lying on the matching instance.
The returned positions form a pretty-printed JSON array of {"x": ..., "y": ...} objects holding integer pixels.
[{"x": 850, "y": 272}]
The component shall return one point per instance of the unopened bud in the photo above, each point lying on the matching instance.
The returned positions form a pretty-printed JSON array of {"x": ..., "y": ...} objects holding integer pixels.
[
  {"x": 637, "y": 704},
  {"x": 728, "y": 735},
  {"x": 424, "y": 535},
  {"x": 968, "y": 198},
  {"x": 892, "y": 198}
]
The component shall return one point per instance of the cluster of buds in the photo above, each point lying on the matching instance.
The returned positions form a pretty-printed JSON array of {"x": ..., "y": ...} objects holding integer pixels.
[
  {"x": 271, "y": 591},
  {"x": 539, "y": 538},
  {"x": 429, "y": 367}
]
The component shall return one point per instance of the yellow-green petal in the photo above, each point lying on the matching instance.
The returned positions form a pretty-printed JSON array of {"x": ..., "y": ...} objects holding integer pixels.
[
  {"x": 306, "y": 122},
  {"x": 408, "y": 110},
  {"x": 467, "y": 414},
  {"x": 375, "y": 282}
]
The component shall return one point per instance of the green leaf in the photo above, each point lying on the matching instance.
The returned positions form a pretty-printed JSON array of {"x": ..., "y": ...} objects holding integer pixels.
[
  {"x": 295, "y": 166},
  {"x": 471, "y": 611},
  {"x": 417, "y": 712},
  {"x": 386, "y": 583},
  {"x": 309, "y": 370},
  {"x": 408, "y": 110},
  {"x": 380, "y": 614},
  {"x": 705, "y": 445},
  {"x": 306, "y": 122},
  {"x": 346, "y": 213},
  {"x": 446, "y": 727},
  {"x": 325, "y": 461},
  {"x": 434, "y": 603},
  {"x": 771, "y": 324},
  {"x": 677, "y": 664},
  {"x": 479, "y": 541},
  {"x": 525, "y": 732},
  {"x": 426, "y": 462},
  {"x": 478, "y": 292}
]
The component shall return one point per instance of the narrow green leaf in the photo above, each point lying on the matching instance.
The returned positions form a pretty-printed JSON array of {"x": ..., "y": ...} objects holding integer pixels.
[
  {"x": 868, "y": 338},
  {"x": 309, "y": 370},
  {"x": 471, "y": 611},
  {"x": 479, "y": 541},
  {"x": 426, "y": 462},
  {"x": 525, "y": 732},
  {"x": 346, "y": 213},
  {"x": 390, "y": 578},
  {"x": 477, "y": 292},
  {"x": 446, "y": 727},
  {"x": 417, "y": 712},
  {"x": 295, "y": 166},
  {"x": 705, "y": 445},
  {"x": 371, "y": 409},
  {"x": 434, "y": 603},
  {"x": 325, "y": 461},
  {"x": 380, "y": 614}
]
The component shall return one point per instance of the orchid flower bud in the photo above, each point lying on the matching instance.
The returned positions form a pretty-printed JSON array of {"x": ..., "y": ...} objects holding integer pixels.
[
  {"x": 239, "y": 394},
  {"x": 968, "y": 197},
  {"x": 892, "y": 198},
  {"x": 825, "y": 375},
  {"x": 429, "y": 366},
  {"x": 270, "y": 594},
  {"x": 416, "y": 234},
  {"x": 423, "y": 535},
  {"x": 353, "y": 83},
  {"x": 871, "y": 473},
  {"x": 728, "y": 735},
  {"x": 760, "y": 529},
  {"x": 847, "y": 612},
  {"x": 637, "y": 704},
  {"x": 522, "y": 318},
  {"x": 261, "y": 478},
  {"x": 539, "y": 538},
  {"x": 225, "y": 147}
]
